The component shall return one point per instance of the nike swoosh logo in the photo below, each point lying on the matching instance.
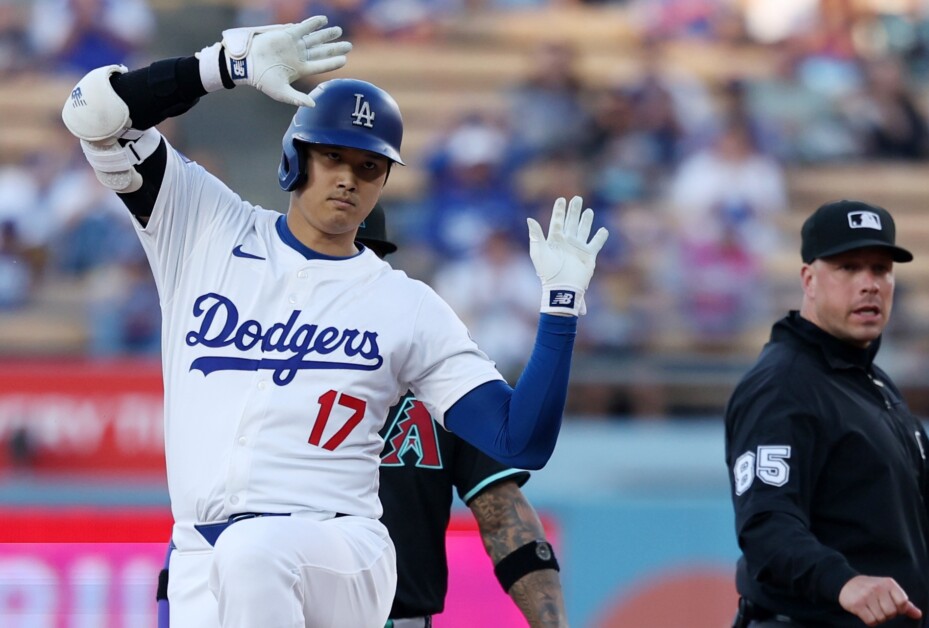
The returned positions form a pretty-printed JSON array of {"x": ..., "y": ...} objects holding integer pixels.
[{"x": 238, "y": 252}]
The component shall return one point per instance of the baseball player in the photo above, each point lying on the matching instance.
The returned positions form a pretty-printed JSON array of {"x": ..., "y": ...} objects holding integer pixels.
[
  {"x": 420, "y": 467},
  {"x": 284, "y": 346}
]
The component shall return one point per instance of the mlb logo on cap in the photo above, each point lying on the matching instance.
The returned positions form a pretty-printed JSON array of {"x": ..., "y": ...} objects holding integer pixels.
[
  {"x": 864, "y": 220},
  {"x": 847, "y": 225}
]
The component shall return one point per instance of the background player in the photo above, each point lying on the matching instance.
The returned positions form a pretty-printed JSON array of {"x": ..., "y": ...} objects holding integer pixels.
[
  {"x": 420, "y": 466},
  {"x": 252, "y": 300}
]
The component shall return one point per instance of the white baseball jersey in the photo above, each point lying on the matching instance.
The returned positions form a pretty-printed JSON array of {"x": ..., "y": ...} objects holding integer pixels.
[{"x": 278, "y": 370}]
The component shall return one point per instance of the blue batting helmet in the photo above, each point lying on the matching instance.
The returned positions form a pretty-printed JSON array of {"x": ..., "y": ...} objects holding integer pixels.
[{"x": 348, "y": 112}]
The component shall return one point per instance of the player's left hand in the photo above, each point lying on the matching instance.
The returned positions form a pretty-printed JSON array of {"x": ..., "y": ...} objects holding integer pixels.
[
  {"x": 270, "y": 58},
  {"x": 565, "y": 260}
]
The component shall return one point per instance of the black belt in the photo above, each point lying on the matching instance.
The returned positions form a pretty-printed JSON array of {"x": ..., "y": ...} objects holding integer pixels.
[{"x": 750, "y": 615}]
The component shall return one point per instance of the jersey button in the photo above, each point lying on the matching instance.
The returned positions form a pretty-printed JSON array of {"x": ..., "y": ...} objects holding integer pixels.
[
  {"x": 292, "y": 298},
  {"x": 262, "y": 385},
  {"x": 302, "y": 274},
  {"x": 243, "y": 440},
  {"x": 234, "y": 499}
]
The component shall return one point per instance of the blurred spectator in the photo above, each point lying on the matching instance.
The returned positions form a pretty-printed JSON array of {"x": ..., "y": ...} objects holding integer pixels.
[
  {"x": 545, "y": 110},
  {"x": 348, "y": 14},
  {"x": 671, "y": 101},
  {"x": 790, "y": 119},
  {"x": 887, "y": 114},
  {"x": 92, "y": 227},
  {"x": 76, "y": 36},
  {"x": 766, "y": 134},
  {"x": 408, "y": 19},
  {"x": 634, "y": 137},
  {"x": 824, "y": 56},
  {"x": 15, "y": 275},
  {"x": 722, "y": 290},
  {"x": 495, "y": 291},
  {"x": 730, "y": 191},
  {"x": 398, "y": 19},
  {"x": 621, "y": 158},
  {"x": 123, "y": 312},
  {"x": 24, "y": 214},
  {"x": 769, "y": 22},
  {"x": 13, "y": 45},
  {"x": 726, "y": 201},
  {"x": 692, "y": 19},
  {"x": 19, "y": 196},
  {"x": 471, "y": 187}
]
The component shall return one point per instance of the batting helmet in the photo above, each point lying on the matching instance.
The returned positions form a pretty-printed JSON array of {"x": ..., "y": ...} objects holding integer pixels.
[{"x": 349, "y": 113}]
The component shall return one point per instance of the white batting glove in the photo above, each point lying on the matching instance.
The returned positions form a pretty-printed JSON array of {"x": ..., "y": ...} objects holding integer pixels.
[
  {"x": 565, "y": 260},
  {"x": 270, "y": 58}
]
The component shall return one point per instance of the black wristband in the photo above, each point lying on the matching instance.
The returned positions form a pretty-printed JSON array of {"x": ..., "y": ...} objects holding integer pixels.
[
  {"x": 224, "y": 70},
  {"x": 533, "y": 556}
]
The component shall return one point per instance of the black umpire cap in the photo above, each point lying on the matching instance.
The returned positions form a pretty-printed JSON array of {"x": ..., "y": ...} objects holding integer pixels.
[
  {"x": 846, "y": 225},
  {"x": 373, "y": 233}
]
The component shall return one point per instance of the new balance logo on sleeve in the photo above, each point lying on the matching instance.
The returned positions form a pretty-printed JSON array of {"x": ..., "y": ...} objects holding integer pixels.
[{"x": 561, "y": 298}]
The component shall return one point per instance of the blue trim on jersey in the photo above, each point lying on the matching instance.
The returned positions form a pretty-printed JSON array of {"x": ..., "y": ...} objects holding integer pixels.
[
  {"x": 493, "y": 479},
  {"x": 291, "y": 240},
  {"x": 518, "y": 426}
]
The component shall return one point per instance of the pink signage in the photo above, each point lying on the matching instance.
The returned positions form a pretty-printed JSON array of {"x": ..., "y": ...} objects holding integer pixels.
[
  {"x": 475, "y": 598},
  {"x": 79, "y": 585}
]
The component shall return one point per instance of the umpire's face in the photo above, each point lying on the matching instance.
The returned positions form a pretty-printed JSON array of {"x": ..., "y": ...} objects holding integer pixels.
[{"x": 850, "y": 295}]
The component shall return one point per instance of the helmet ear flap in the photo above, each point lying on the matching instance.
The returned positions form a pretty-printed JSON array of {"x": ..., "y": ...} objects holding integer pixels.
[{"x": 292, "y": 171}]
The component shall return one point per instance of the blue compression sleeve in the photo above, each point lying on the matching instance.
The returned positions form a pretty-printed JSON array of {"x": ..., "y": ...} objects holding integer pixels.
[{"x": 519, "y": 426}]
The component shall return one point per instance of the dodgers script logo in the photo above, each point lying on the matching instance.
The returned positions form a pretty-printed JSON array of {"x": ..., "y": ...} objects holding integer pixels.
[{"x": 220, "y": 327}]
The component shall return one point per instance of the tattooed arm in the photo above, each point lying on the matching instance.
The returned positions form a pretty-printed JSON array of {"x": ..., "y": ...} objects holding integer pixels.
[{"x": 507, "y": 522}]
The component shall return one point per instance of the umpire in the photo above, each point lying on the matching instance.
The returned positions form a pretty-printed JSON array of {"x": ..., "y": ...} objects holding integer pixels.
[{"x": 828, "y": 466}]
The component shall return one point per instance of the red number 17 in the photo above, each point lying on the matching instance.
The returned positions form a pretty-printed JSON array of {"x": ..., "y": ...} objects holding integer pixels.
[{"x": 326, "y": 401}]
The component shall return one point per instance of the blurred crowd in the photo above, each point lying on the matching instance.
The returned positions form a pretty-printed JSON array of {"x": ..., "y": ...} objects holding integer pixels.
[{"x": 687, "y": 173}]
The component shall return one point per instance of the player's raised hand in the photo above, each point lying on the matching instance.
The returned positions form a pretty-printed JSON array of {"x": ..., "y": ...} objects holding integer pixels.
[
  {"x": 270, "y": 58},
  {"x": 565, "y": 260}
]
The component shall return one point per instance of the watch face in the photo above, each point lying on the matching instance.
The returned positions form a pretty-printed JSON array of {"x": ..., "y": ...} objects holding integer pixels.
[{"x": 543, "y": 551}]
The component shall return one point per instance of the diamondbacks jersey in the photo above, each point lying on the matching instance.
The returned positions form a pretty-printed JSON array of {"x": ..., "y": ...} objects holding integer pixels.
[
  {"x": 420, "y": 466},
  {"x": 279, "y": 370}
]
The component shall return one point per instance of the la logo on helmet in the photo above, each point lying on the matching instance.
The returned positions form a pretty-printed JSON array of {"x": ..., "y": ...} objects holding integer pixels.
[{"x": 363, "y": 116}]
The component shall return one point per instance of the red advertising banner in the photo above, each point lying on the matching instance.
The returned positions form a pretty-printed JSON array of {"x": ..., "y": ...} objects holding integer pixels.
[{"x": 82, "y": 416}]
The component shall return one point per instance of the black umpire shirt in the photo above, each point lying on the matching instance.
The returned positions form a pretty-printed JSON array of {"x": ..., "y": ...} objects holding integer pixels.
[
  {"x": 829, "y": 478},
  {"x": 420, "y": 465}
]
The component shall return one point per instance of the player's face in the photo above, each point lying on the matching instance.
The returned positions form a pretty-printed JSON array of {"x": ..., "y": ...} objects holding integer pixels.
[
  {"x": 850, "y": 295},
  {"x": 343, "y": 184}
]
